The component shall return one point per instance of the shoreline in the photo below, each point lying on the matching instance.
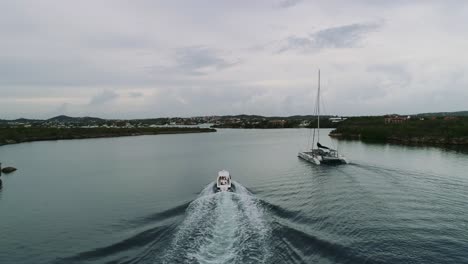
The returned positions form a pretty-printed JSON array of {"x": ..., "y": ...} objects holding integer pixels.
[
  {"x": 430, "y": 141},
  {"x": 90, "y": 133},
  {"x": 435, "y": 131}
]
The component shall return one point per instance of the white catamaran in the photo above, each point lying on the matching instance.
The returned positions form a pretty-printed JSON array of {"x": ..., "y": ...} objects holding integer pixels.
[{"x": 321, "y": 154}]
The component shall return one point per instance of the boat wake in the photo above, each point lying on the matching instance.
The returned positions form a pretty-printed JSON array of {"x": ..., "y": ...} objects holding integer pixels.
[
  {"x": 216, "y": 227},
  {"x": 223, "y": 227},
  {"x": 301, "y": 219}
]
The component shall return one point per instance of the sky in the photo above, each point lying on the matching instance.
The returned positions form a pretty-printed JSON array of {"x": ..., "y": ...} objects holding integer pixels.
[{"x": 147, "y": 58}]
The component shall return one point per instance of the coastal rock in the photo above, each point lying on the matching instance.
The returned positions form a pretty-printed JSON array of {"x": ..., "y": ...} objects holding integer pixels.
[{"x": 8, "y": 169}]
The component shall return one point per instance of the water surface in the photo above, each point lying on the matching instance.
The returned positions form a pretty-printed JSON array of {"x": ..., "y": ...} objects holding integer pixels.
[{"x": 149, "y": 199}]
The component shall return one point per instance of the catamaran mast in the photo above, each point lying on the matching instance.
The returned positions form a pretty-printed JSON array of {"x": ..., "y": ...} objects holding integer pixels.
[{"x": 318, "y": 108}]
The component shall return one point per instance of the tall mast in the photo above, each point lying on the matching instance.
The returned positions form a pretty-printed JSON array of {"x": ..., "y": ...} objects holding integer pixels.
[{"x": 318, "y": 108}]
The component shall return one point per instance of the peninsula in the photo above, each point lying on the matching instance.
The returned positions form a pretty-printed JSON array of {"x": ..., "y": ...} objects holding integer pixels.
[
  {"x": 425, "y": 129},
  {"x": 11, "y": 134}
]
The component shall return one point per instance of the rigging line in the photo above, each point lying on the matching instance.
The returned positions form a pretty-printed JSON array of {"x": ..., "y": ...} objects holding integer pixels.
[
  {"x": 314, "y": 120},
  {"x": 318, "y": 108},
  {"x": 317, "y": 111}
]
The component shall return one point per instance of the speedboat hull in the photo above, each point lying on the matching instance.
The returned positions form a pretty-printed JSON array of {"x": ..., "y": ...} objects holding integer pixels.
[{"x": 230, "y": 189}]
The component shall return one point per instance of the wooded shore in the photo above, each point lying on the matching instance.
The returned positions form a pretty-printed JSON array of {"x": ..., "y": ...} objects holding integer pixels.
[
  {"x": 425, "y": 131},
  {"x": 13, "y": 135}
]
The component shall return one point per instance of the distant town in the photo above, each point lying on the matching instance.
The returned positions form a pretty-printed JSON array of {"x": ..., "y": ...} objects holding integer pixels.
[
  {"x": 228, "y": 121},
  {"x": 431, "y": 128},
  {"x": 238, "y": 121}
]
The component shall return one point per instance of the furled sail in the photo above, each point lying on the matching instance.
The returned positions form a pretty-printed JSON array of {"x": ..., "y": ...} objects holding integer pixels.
[{"x": 322, "y": 146}]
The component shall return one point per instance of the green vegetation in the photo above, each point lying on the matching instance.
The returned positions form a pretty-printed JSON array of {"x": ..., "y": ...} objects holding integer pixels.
[
  {"x": 433, "y": 130},
  {"x": 11, "y": 135}
]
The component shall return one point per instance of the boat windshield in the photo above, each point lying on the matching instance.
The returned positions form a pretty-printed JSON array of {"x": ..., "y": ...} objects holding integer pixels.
[{"x": 223, "y": 180}]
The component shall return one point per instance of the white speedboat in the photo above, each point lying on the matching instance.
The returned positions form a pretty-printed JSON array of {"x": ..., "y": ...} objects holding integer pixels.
[{"x": 224, "y": 182}]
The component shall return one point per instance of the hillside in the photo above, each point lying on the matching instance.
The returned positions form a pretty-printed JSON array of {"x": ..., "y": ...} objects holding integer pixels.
[
  {"x": 458, "y": 113},
  {"x": 69, "y": 119}
]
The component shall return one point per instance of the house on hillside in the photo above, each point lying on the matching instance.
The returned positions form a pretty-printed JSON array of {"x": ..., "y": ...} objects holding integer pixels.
[
  {"x": 450, "y": 118},
  {"x": 395, "y": 119},
  {"x": 337, "y": 119},
  {"x": 279, "y": 123}
]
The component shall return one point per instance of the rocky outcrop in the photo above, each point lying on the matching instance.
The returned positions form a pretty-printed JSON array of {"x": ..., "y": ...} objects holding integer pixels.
[{"x": 8, "y": 169}]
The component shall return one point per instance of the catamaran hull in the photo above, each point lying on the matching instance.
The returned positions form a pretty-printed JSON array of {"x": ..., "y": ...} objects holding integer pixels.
[
  {"x": 317, "y": 159},
  {"x": 309, "y": 158}
]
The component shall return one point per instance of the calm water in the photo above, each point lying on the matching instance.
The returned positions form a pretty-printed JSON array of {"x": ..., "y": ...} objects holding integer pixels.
[{"x": 149, "y": 199}]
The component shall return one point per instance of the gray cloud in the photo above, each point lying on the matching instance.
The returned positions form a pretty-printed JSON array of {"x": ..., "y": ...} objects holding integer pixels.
[
  {"x": 62, "y": 71},
  {"x": 347, "y": 36},
  {"x": 200, "y": 60},
  {"x": 62, "y": 109},
  {"x": 288, "y": 3},
  {"x": 396, "y": 72},
  {"x": 191, "y": 61},
  {"x": 119, "y": 41},
  {"x": 188, "y": 58},
  {"x": 103, "y": 97},
  {"x": 135, "y": 94}
]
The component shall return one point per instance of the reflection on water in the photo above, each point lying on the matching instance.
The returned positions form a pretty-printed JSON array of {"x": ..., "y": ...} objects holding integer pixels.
[{"x": 463, "y": 149}]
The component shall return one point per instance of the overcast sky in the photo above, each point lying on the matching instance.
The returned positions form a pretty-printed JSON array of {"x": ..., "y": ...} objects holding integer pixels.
[{"x": 146, "y": 58}]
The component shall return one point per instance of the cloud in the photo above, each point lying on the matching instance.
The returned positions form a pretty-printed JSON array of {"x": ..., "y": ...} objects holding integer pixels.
[
  {"x": 103, "y": 97},
  {"x": 199, "y": 60},
  {"x": 347, "y": 36},
  {"x": 228, "y": 98},
  {"x": 396, "y": 72},
  {"x": 135, "y": 94},
  {"x": 62, "y": 109},
  {"x": 62, "y": 71},
  {"x": 119, "y": 41},
  {"x": 288, "y": 3},
  {"x": 193, "y": 57}
]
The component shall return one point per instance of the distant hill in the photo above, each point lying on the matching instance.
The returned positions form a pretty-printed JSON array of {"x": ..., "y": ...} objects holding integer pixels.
[
  {"x": 21, "y": 120},
  {"x": 69, "y": 119},
  {"x": 458, "y": 113}
]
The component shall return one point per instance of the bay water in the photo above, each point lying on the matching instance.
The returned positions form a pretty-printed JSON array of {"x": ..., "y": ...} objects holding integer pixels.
[{"x": 150, "y": 199}]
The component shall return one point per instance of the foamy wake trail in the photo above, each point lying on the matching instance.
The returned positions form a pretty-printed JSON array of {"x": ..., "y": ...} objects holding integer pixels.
[{"x": 221, "y": 227}]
